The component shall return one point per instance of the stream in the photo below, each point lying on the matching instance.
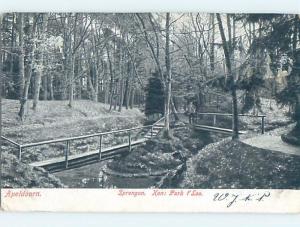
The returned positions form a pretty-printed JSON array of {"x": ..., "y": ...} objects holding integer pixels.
[{"x": 91, "y": 176}]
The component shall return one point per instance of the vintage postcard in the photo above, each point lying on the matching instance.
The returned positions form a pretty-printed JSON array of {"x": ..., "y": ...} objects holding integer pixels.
[{"x": 150, "y": 112}]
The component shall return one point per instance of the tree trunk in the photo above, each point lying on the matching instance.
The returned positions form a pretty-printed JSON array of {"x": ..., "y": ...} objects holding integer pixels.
[
  {"x": 115, "y": 95},
  {"x": 63, "y": 83},
  {"x": 212, "y": 46},
  {"x": 90, "y": 83},
  {"x": 40, "y": 65},
  {"x": 71, "y": 81},
  {"x": 168, "y": 76},
  {"x": 45, "y": 86},
  {"x": 12, "y": 45},
  {"x": 28, "y": 71},
  {"x": 96, "y": 84},
  {"x": 128, "y": 97},
  {"x": 37, "y": 85},
  {"x": 121, "y": 99},
  {"x": 174, "y": 109},
  {"x": 51, "y": 92},
  {"x": 121, "y": 91},
  {"x": 96, "y": 65},
  {"x": 131, "y": 100},
  {"x": 126, "y": 94},
  {"x": 20, "y": 20},
  {"x": 235, "y": 134},
  {"x": 106, "y": 93},
  {"x": 111, "y": 85}
]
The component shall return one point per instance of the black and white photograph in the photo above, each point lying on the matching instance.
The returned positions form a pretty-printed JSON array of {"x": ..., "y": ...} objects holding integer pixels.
[{"x": 160, "y": 100}]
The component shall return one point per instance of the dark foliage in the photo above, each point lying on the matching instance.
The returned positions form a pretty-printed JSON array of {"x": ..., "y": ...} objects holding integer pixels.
[{"x": 155, "y": 96}]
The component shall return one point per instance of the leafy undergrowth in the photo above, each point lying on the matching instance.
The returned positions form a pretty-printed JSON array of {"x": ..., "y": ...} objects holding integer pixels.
[
  {"x": 232, "y": 164},
  {"x": 276, "y": 115},
  {"x": 160, "y": 154},
  {"x": 54, "y": 119},
  {"x": 16, "y": 174}
]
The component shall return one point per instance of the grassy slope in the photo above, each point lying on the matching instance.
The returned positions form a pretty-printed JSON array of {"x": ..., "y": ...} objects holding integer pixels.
[
  {"x": 160, "y": 154},
  {"x": 53, "y": 119},
  {"x": 229, "y": 164},
  {"x": 19, "y": 175}
]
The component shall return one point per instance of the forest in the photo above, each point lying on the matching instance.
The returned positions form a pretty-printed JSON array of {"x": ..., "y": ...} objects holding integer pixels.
[{"x": 159, "y": 63}]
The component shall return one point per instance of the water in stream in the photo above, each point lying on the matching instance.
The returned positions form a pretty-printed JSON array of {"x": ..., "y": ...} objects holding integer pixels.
[{"x": 90, "y": 177}]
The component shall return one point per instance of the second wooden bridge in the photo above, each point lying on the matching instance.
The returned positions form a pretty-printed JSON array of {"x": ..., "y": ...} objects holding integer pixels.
[{"x": 213, "y": 127}]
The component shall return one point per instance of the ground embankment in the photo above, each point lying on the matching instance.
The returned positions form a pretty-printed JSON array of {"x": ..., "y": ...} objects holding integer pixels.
[{"x": 53, "y": 120}]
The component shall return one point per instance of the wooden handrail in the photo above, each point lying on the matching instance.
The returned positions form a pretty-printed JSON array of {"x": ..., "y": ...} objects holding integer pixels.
[
  {"x": 82, "y": 137},
  {"x": 242, "y": 115},
  {"x": 229, "y": 114},
  {"x": 11, "y": 141},
  {"x": 155, "y": 123},
  {"x": 69, "y": 139}
]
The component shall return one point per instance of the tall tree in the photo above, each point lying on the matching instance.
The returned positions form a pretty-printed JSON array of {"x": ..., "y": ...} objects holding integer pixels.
[
  {"x": 235, "y": 133},
  {"x": 168, "y": 75},
  {"x": 76, "y": 28},
  {"x": 30, "y": 63},
  {"x": 20, "y": 22},
  {"x": 212, "y": 43},
  {"x": 40, "y": 61},
  {"x": 155, "y": 100}
]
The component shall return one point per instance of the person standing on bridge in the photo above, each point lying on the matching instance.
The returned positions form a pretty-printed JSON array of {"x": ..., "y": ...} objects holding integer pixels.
[{"x": 191, "y": 111}]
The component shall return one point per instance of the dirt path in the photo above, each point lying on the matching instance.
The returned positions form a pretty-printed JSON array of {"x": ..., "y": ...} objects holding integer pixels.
[{"x": 273, "y": 143}]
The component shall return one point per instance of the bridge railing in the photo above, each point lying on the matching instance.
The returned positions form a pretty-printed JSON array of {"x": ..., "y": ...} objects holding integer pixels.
[
  {"x": 67, "y": 141},
  {"x": 214, "y": 115},
  {"x": 19, "y": 146}
]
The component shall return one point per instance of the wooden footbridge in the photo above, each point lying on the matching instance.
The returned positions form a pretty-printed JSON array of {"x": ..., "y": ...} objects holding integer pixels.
[
  {"x": 70, "y": 160},
  {"x": 212, "y": 127}
]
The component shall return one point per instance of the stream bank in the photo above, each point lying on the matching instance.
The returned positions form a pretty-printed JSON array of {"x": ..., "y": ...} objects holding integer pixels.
[{"x": 158, "y": 163}]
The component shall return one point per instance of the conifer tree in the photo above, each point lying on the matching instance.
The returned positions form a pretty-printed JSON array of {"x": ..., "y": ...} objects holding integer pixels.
[{"x": 155, "y": 96}]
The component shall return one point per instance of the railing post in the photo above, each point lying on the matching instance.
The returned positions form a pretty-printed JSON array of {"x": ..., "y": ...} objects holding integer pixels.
[
  {"x": 20, "y": 153},
  {"x": 100, "y": 147},
  {"x": 215, "y": 120},
  {"x": 262, "y": 125},
  {"x": 129, "y": 141},
  {"x": 67, "y": 154}
]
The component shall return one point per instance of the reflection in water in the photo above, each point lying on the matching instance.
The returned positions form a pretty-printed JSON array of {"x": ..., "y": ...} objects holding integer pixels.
[{"x": 83, "y": 177}]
